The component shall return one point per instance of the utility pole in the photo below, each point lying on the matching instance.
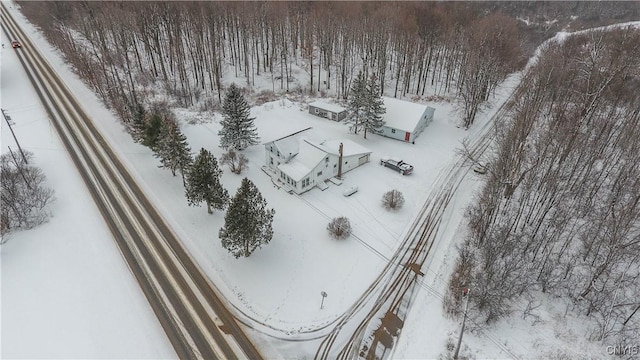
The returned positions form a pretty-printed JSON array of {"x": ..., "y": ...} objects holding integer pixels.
[
  {"x": 465, "y": 294},
  {"x": 7, "y": 118},
  {"x": 19, "y": 168},
  {"x": 340, "y": 162}
]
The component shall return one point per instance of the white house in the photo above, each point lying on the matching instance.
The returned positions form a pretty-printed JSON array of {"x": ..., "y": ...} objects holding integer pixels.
[
  {"x": 405, "y": 120},
  {"x": 298, "y": 163},
  {"x": 329, "y": 111}
]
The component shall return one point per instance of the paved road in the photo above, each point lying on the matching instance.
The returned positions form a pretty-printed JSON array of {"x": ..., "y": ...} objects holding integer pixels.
[{"x": 187, "y": 304}]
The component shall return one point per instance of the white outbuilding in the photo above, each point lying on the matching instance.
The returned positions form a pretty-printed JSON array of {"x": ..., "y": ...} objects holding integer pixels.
[
  {"x": 329, "y": 111},
  {"x": 405, "y": 120},
  {"x": 298, "y": 162}
]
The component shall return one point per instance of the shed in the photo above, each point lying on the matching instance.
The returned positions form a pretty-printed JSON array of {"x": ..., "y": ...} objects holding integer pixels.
[
  {"x": 329, "y": 111},
  {"x": 405, "y": 120}
]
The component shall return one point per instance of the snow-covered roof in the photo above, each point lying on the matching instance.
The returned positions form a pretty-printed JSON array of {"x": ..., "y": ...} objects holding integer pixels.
[
  {"x": 289, "y": 144},
  {"x": 329, "y": 107},
  {"x": 348, "y": 147},
  {"x": 402, "y": 115},
  {"x": 288, "y": 134},
  {"x": 302, "y": 164}
]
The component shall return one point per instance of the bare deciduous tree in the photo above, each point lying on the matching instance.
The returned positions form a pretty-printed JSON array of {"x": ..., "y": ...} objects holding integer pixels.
[
  {"x": 236, "y": 161},
  {"x": 24, "y": 194},
  {"x": 560, "y": 212},
  {"x": 339, "y": 228},
  {"x": 392, "y": 200}
]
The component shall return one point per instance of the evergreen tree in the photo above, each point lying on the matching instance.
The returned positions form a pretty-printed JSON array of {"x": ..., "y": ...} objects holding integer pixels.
[
  {"x": 238, "y": 130},
  {"x": 203, "y": 183},
  {"x": 152, "y": 131},
  {"x": 357, "y": 102},
  {"x": 137, "y": 125},
  {"x": 173, "y": 150},
  {"x": 247, "y": 224},
  {"x": 374, "y": 108}
]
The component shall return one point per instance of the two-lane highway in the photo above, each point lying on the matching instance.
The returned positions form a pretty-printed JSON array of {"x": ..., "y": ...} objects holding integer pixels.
[{"x": 187, "y": 304}]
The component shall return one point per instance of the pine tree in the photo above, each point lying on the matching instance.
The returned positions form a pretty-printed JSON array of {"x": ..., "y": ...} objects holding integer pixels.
[
  {"x": 152, "y": 131},
  {"x": 203, "y": 183},
  {"x": 173, "y": 150},
  {"x": 357, "y": 102},
  {"x": 374, "y": 108},
  {"x": 247, "y": 224},
  {"x": 137, "y": 125},
  {"x": 238, "y": 130}
]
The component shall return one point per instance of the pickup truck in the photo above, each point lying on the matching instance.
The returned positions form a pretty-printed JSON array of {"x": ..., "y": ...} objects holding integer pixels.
[{"x": 397, "y": 165}]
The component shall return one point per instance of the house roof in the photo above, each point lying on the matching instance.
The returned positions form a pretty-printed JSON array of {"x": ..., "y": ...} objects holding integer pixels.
[
  {"x": 289, "y": 145},
  {"x": 349, "y": 147},
  {"x": 302, "y": 164},
  {"x": 290, "y": 134},
  {"x": 329, "y": 107},
  {"x": 402, "y": 115}
]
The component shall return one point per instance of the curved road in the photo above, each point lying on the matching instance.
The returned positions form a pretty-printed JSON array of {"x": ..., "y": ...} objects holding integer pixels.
[
  {"x": 373, "y": 322},
  {"x": 187, "y": 304}
]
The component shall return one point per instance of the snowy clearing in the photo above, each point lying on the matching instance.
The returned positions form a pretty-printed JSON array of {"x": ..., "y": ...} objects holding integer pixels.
[{"x": 66, "y": 289}]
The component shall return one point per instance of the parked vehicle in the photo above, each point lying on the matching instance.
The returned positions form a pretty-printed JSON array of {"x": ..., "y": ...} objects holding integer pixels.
[
  {"x": 350, "y": 191},
  {"x": 480, "y": 169},
  {"x": 397, "y": 165},
  {"x": 15, "y": 44}
]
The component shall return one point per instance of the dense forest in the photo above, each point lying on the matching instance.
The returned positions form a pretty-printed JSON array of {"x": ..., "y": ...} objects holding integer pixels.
[
  {"x": 560, "y": 211},
  {"x": 131, "y": 51}
]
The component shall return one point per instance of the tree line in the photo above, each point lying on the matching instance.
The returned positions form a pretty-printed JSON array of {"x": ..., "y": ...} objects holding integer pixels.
[
  {"x": 129, "y": 51},
  {"x": 247, "y": 220},
  {"x": 560, "y": 211}
]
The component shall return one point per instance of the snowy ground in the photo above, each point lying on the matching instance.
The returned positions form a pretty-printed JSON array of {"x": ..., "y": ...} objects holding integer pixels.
[
  {"x": 65, "y": 290},
  {"x": 67, "y": 293}
]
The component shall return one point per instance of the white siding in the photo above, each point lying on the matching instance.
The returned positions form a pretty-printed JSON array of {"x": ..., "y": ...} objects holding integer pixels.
[{"x": 393, "y": 133}]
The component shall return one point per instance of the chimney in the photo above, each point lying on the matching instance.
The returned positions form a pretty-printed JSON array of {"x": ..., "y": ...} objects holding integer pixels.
[{"x": 340, "y": 162}]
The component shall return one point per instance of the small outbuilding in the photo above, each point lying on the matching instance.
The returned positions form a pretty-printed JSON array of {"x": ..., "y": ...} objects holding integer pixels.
[
  {"x": 329, "y": 111},
  {"x": 405, "y": 120},
  {"x": 299, "y": 163}
]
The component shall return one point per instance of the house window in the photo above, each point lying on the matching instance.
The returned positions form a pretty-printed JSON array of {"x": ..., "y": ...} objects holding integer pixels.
[
  {"x": 319, "y": 173},
  {"x": 393, "y": 131},
  {"x": 278, "y": 153},
  {"x": 334, "y": 165},
  {"x": 271, "y": 148},
  {"x": 326, "y": 160},
  {"x": 317, "y": 110},
  {"x": 270, "y": 158}
]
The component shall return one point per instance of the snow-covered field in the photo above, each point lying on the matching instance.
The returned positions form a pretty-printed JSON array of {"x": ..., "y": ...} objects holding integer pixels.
[{"x": 66, "y": 293}]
